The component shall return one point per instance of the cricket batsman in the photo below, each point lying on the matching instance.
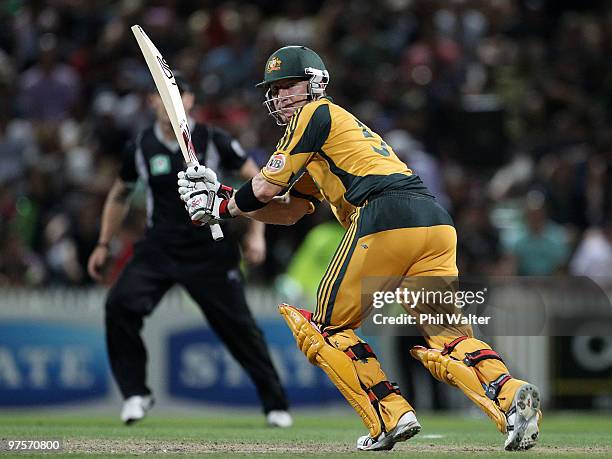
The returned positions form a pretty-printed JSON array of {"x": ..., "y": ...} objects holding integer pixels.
[{"x": 394, "y": 227}]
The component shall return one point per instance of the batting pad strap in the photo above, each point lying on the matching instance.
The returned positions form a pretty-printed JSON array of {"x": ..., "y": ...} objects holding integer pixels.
[
  {"x": 246, "y": 200},
  {"x": 450, "y": 347},
  {"x": 381, "y": 390},
  {"x": 360, "y": 351},
  {"x": 473, "y": 358},
  {"x": 492, "y": 390}
]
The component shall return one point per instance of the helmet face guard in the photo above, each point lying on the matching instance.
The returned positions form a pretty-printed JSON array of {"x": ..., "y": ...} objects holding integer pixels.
[{"x": 317, "y": 82}]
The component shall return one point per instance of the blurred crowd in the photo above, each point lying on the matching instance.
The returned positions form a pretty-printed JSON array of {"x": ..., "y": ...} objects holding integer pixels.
[{"x": 503, "y": 107}]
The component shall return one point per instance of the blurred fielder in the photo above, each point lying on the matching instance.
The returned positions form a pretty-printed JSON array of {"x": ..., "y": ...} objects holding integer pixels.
[
  {"x": 175, "y": 252},
  {"x": 394, "y": 227}
]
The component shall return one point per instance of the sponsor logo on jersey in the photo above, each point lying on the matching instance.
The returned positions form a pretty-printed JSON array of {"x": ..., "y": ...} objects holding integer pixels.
[
  {"x": 276, "y": 163},
  {"x": 160, "y": 165},
  {"x": 273, "y": 65}
]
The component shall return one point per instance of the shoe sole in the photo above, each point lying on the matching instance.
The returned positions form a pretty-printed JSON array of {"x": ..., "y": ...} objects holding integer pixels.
[
  {"x": 526, "y": 431},
  {"x": 129, "y": 422},
  {"x": 397, "y": 435},
  {"x": 407, "y": 432},
  {"x": 531, "y": 436},
  {"x": 385, "y": 444}
]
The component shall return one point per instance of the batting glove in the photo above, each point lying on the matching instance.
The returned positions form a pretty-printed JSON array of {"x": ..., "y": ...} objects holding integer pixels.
[
  {"x": 205, "y": 200},
  {"x": 200, "y": 173},
  {"x": 188, "y": 179}
]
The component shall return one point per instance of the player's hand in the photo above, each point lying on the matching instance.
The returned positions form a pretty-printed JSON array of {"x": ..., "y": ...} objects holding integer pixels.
[
  {"x": 97, "y": 262},
  {"x": 205, "y": 202},
  {"x": 254, "y": 247},
  {"x": 200, "y": 173},
  {"x": 188, "y": 178},
  {"x": 186, "y": 186},
  {"x": 194, "y": 178},
  {"x": 198, "y": 205}
]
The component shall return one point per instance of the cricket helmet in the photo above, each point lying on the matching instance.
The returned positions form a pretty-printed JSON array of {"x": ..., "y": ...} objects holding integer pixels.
[{"x": 294, "y": 62}]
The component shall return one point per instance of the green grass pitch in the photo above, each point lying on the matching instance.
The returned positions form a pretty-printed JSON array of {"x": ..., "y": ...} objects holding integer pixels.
[{"x": 235, "y": 435}]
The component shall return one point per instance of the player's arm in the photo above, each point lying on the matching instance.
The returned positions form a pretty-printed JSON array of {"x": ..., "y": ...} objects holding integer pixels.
[
  {"x": 253, "y": 195},
  {"x": 283, "y": 210},
  {"x": 115, "y": 208},
  {"x": 263, "y": 202},
  {"x": 194, "y": 187},
  {"x": 256, "y": 200}
]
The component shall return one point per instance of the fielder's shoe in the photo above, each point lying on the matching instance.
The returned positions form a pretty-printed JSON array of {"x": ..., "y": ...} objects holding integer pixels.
[
  {"x": 279, "y": 418},
  {"x": 135, "y": 408},
  {"x": 407, "y": 427},
  {"x": 522, "y": 419}
]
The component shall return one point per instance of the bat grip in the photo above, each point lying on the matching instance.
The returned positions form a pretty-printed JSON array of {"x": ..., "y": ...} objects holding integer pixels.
[{"x": 216, "y": 231}]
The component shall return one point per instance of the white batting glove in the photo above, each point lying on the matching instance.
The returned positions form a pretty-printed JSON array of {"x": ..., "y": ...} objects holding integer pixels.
[
  {"x": 199, "y": 204},
  {"x": 207, "y": 205},
  {"x": 188, "y": 179},
  {"x": 205, "y": 198},
  {"x": 200, "y": 173},
  {"x": 185, "y": 185}
]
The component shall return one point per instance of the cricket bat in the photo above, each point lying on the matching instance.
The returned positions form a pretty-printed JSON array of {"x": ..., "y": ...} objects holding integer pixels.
[{"x": 171, "y": 98}]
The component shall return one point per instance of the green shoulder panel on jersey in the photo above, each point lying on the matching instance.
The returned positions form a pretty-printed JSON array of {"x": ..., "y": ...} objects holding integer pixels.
[{"x": 316, "y": 131}]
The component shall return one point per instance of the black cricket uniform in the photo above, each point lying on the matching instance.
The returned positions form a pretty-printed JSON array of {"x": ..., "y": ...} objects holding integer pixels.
[{"x": 173, "y": 251}]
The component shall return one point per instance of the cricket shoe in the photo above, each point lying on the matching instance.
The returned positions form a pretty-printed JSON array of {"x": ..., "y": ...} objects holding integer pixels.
[
  {"x": 522, "y": 419},
  {"x": 135, "y": 408},
  {"x": 407, "y": 427},
  {"x": 279, "y": 418}
]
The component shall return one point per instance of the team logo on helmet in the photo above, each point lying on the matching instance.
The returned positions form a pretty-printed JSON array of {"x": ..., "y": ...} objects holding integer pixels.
[{"x": 273, "y": 64}]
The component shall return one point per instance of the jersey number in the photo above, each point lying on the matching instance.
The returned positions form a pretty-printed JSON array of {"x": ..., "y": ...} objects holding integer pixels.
[{"x": 366, "y": 133}]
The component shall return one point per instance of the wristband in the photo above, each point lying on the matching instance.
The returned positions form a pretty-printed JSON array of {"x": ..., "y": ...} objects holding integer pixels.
[
  {"x": 106, "y": 245},
  {"x": 224, "y": 212},
  {"x": 246, "y": 200}
]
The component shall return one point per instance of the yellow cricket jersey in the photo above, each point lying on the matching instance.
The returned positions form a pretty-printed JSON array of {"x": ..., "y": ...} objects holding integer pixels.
[{"x": 347, "y": 161}]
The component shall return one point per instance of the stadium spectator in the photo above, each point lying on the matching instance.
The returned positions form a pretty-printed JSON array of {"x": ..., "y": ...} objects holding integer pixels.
[
  {"x": 541, "y": 247},
  {"x": 49, "y": 89}
]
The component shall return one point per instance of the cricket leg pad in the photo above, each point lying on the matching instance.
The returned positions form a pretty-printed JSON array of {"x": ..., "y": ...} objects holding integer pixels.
[
  {"x": 384, "y": 395},
  {"x": 456, "y": 373},
  {"x": 336, "y": 364}
]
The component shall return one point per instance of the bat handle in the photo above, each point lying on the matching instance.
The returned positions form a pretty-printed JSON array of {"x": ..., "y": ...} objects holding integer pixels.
[{"x": 216, "y": 231}]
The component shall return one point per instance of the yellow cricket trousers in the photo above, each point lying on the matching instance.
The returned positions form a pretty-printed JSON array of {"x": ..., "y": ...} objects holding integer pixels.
[{"x": 398, "y": 233}]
